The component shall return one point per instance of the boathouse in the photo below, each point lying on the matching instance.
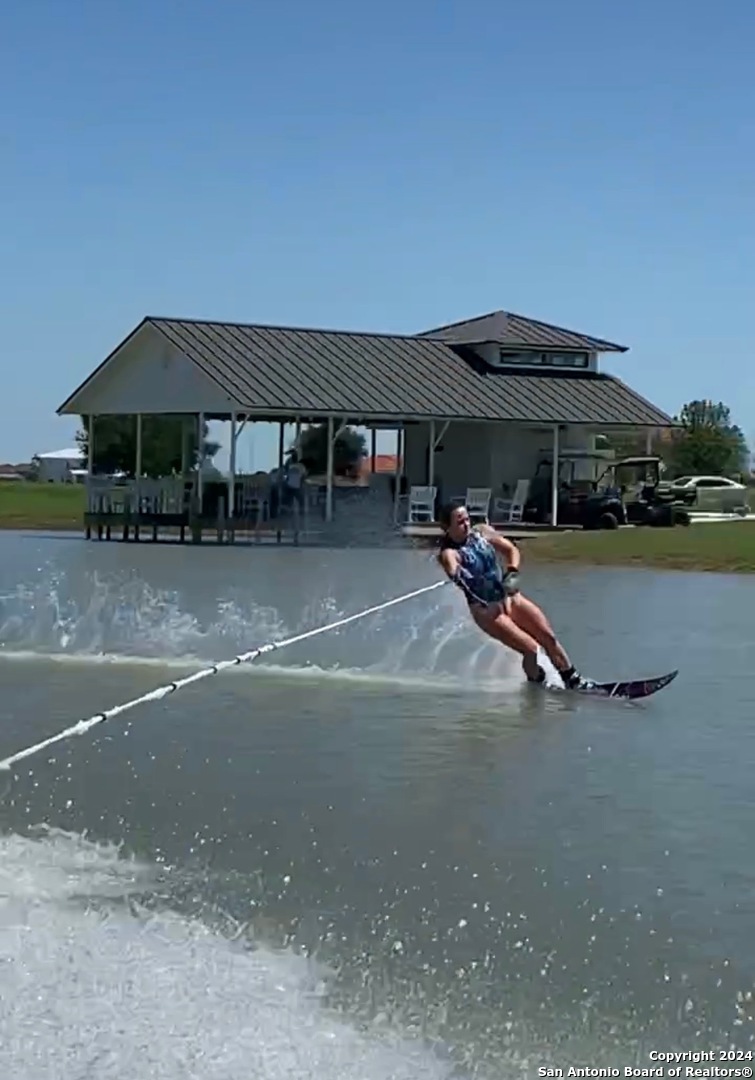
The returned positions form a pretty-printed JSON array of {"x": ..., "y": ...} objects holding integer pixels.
[{"x": 474, "y": 404}]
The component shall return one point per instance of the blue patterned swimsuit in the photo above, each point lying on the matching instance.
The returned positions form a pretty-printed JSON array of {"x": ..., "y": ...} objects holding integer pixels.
[{"x": 478, "y": 557}]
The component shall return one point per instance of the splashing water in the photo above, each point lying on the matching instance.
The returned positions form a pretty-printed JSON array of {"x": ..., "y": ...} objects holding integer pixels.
[
  {"x": 95, "y": 985},
  {"x": 121, "y": 618},
  {"x": 117, "y": 614}
]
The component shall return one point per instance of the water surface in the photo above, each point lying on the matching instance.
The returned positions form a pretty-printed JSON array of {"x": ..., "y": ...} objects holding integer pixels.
[{"x": 376, "y": 853}]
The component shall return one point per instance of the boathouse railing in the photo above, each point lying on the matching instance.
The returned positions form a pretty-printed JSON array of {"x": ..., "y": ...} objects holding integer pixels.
[
  {"x": 168, "y": 495},
  {"x": 171, "y": 495}
]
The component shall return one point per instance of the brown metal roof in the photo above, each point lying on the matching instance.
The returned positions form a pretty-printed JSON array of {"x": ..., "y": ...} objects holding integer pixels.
[
  {"x": 516, "y": 331},
  {"x": 282, "y": 371}
]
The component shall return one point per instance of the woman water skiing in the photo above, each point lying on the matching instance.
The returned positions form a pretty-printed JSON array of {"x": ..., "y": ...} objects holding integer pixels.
[{"x": 470, "y": 557}]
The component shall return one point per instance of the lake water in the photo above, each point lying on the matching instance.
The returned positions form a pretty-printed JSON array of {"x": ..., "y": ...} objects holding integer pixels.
[{"x": 379, "y": 854}]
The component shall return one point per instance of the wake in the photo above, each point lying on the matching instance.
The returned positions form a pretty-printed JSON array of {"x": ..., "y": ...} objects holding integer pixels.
[
  {"x": 97, "y": 985},
  {"x": 441, "y": 682}
]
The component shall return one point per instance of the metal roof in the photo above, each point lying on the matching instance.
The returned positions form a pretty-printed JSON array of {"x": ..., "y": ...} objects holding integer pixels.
[
  {"x": 283, "y": 371},
  {"x": 517, "y": 331}
]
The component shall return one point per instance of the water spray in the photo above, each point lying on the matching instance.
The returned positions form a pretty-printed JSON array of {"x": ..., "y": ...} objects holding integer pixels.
[{"x": 83, "y": 726}]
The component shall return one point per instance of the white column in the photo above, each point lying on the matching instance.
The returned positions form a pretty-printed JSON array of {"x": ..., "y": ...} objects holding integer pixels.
[
  {"x": 281, "y": 445},
  {"x": 279, "y": 482},
  {"x": 649, "y": 442},
  {"x": 91, "y": 504},
  {"x": 329, "y": 473},
  {"x": 200, "y": 458},
  {"x": 554, "y": 478},
  {"x": 139, "y": 462},
  {"x": 397, "y": 477},
  {"x": 90, "y": 445},
  {"x": 232, "y": 469},
  {"x": 431, "y": 460}
]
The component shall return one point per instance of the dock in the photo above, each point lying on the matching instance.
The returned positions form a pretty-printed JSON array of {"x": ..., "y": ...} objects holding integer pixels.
[{"x": 171, "y": 509}]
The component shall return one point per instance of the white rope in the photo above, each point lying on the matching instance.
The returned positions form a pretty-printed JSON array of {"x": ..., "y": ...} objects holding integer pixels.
[{"x": 162, "y": 691}]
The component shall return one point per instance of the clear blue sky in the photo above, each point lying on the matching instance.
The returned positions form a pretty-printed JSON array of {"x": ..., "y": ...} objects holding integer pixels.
[{"x": 388, "y": 166}]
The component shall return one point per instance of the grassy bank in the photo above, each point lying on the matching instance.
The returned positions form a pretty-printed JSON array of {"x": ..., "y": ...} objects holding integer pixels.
[
  {"x": 41, "y": 506},
  {"x": 726, "y": 547},
  {"x": 723, "y": 546}
]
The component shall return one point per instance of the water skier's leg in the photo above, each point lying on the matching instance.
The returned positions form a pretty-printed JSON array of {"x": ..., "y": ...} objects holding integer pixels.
[
  {"x": 529, "y": 618},
  {"x": 501, "y": 627}
]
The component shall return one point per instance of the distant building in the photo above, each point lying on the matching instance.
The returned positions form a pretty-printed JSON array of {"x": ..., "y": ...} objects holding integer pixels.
[
  {"x": 383, "y": 463},
  {"x": 11, "y": 472},
  {"x": 60, "y": 466}
]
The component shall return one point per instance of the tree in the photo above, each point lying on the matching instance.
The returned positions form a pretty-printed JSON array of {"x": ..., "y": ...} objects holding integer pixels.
[
  {"x": 162, "y": 443},
  {"x": 312, "y": 449},
  {"x": 708, "y": 443}
]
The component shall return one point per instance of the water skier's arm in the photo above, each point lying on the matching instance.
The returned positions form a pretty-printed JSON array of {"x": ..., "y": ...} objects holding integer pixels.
[
  {"x": 449, "y": 560},
  {"x": 451, "y": 563},
  {"x": 509, "y": 552}
]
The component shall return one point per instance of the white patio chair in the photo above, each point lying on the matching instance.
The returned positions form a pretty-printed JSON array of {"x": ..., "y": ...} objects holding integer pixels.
[
  {"x": 148, "y": 491},
  {"x": 478, "y": 504},
  {"x": 98, "y": 492},
  {"x": 512, "y": 510},
  {"x": 172, "y": 495},
  {"x": 252, "y": 499},
  {"x": 421, "y": 505}
]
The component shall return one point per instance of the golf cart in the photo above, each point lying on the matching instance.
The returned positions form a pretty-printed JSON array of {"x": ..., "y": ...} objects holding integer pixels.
[
  {"x": 583, "y": 503},
  {"x": 647, "y": 498}
]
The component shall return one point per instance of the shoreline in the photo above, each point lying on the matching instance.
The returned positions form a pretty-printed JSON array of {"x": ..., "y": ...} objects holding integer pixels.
[
  {"x": 721, "y": 547},
  {"x": 13, "y": 525}
]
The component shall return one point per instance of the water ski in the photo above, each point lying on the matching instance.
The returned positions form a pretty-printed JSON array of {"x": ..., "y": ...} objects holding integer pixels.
[{"x": 632, "y": 690}]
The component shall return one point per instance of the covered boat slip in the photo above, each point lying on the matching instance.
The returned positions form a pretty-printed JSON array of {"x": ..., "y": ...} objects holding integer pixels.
[
  {"x": 256, "y": 506},
  {"x": 468, "y": 403}
]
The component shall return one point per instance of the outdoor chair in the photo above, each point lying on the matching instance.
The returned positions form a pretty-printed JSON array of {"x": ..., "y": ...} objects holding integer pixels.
[
  {"x": 511, "y": 510},
  {"x": 478, "y": 504},
  {"x": 421, "y": 505}
]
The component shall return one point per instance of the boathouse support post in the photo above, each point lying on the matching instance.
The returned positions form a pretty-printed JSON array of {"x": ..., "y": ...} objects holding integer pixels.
[
  {"x": 232, "y": 469},
  {"x": 329, "y": 472},
  {"x": 431, "y": 456},
  {"x": 299, "y": 507},
  {"x": 200, "y": 459},
  {"x": 90, "y": 445},
  {"x": 90, "y": 502},
  {"x": 333, "y": 435},
  {"x": 397, "y": 476},
  {"x": 649, "y": 433},
  {"x": 554, "y": 476},
  {"x": 139, "y": 465},
  {"x": 139, "y": 446},
  {"x": 279, "y": 481},
  {"x": 373, "y": 451},
  {"x": 440, "y": 434}
]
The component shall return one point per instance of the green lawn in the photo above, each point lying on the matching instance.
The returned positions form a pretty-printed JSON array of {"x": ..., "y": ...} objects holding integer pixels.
[
  {"x": 41, "y": 506},
  {"x": 723, "y": 546},
  {"x": 727, "y": 546}
]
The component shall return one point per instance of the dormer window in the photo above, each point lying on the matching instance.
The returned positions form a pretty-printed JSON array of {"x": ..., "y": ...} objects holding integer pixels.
[{"x": 527, "y": 358}]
